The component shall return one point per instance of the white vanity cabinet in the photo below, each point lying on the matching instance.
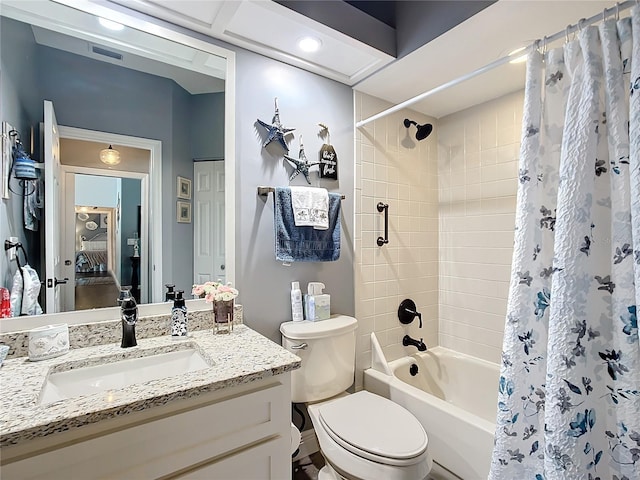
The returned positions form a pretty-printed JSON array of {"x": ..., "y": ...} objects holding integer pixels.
[{"x": 239, "y": 432}]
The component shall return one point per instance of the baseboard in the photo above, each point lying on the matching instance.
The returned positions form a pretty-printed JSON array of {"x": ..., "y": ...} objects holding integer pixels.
[{"x": 308, "y": 444}]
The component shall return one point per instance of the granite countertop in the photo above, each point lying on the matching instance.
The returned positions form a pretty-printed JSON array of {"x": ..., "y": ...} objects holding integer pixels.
[{"x": 240, "y": 357}]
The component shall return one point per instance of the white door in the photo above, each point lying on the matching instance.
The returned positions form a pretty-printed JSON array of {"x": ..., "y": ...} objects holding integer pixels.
[
  {"x": 208, "y": 235},
  {"x": 68, "y": 241},
  {"x": 52, "y": 226}
]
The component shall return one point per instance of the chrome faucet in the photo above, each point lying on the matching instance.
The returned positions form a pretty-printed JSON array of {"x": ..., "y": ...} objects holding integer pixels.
[
  {"x": 129, "y": 317},
  {"x": 419, "y": 344}
]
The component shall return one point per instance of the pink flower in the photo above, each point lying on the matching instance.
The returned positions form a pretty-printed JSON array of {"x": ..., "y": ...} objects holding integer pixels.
[
  {"x": 214, "y": 292},
  {"x": 197, "y": 290},
  {"x": 209, "y": 297}
]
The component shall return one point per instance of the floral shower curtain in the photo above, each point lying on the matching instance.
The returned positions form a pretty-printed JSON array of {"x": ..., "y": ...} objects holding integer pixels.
[{"x": 569, "y": 392}]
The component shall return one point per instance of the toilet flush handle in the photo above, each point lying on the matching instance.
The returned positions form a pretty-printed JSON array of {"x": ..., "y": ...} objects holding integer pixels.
[{"x": 302, "y": 346}]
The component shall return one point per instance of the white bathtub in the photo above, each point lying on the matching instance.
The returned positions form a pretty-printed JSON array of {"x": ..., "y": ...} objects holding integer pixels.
[{"x": 453, "y": 395}]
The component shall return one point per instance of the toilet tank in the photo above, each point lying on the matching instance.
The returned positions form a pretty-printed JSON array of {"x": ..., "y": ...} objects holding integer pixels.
[{"x": 327, "y": 349}]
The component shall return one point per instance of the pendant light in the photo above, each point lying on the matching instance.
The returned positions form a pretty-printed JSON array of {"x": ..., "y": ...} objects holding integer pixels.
[{"x": 110, "y": 156}]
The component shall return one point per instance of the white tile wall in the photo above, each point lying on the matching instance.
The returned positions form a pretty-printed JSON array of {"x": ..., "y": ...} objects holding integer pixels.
[
  {"x": 477, "y": 179},
  {"x": 452, "y": 208},
  {"x": 393, "y": 167}
]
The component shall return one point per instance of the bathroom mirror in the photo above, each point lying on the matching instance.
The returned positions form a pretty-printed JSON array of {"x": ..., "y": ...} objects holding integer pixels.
[{"x": 196, "y": 69}]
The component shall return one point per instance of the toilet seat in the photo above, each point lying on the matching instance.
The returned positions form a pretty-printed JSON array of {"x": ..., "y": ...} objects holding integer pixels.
[{"x": 374, "y": 428}]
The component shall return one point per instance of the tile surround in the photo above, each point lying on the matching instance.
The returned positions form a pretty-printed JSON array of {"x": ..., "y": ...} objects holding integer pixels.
[
  {"x": 477, "y": 177},
  {"x": 392, "y": 167},
  {"x": 452, "y": 210}
]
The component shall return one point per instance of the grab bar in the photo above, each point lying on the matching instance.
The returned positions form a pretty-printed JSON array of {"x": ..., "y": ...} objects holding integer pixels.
[{"x": 384, "y": 207}]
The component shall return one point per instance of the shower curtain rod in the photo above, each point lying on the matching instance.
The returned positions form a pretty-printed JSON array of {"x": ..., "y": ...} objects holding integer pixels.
[{"x": 617, "y": 8}]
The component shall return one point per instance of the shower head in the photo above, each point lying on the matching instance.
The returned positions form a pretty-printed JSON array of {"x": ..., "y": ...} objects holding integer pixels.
[{"x": 423, "y": 130}]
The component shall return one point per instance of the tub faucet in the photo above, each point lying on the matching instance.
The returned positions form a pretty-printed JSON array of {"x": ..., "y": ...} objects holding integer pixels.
[
  {"x": 129, "y": 317},
  {"x": 419, "y": 344}
]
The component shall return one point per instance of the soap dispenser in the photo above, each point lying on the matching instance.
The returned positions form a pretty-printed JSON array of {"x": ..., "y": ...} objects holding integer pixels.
[
  {"x": 169, "y": 295},
  {"x": 129, "y": 317},
  {"x": 317, "y": 304},
  {"x": 178, "y": 316}
]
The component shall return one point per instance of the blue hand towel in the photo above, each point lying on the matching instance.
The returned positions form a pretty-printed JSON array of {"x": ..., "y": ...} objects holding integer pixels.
[{"x": 305, "y": 244}]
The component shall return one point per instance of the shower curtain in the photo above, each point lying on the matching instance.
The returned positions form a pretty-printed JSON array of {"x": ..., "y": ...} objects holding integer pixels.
[{"x": 569, "y": 391}]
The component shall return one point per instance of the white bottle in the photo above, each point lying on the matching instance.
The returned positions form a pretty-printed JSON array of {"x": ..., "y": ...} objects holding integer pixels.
[
  {"x": 317, "y": 305},
  {"x": 296, "y": 302}
]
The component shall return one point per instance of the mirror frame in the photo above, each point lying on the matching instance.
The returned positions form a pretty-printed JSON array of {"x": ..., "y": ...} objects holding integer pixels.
[{"x": 144, "y": 23}]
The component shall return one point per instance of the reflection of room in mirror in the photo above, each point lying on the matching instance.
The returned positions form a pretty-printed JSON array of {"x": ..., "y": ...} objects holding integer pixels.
[
  {"x": 95, "y": 283},
  {"x": 142, "y": 86}
]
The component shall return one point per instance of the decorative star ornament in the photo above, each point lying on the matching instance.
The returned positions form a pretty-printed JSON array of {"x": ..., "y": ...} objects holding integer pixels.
[
  {"x": 301, "y": 164},
  {"x": 276, "y": 130}
]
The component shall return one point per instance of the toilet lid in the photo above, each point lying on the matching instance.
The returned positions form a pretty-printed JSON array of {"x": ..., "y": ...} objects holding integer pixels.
[{"x": 371, "y": 424}]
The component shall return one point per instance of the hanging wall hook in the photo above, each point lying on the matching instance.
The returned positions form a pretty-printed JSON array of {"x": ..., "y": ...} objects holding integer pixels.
[{"x": 383, "y": 207}]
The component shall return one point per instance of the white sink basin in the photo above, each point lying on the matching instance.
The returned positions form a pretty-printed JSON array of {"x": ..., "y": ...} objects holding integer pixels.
[{"x": 115, "y": 375}]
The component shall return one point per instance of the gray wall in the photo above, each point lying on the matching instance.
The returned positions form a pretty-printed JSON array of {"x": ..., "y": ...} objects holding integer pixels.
[
  {"x": 16, "y": 107},
  {"x": 128, "y": 224},
  {"x": 304, "y": 99},
  {"x": 207, "y": 129}
]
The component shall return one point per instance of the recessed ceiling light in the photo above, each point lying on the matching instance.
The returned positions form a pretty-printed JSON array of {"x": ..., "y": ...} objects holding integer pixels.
[
  {"x": 521, "y": 58},
  {"x": 110, "y": 24},
  {"x": 309, "y": 44}
]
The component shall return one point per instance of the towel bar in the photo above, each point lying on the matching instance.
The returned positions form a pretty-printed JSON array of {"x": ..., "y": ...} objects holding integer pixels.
[{"x": 264, "y": 191}]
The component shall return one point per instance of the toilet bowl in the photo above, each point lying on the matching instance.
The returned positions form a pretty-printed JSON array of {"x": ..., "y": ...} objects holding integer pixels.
[
  {"x": 365, "y": 436},
  {"x": 362, "y": 435},
  {"x": 295, "y": 439}
]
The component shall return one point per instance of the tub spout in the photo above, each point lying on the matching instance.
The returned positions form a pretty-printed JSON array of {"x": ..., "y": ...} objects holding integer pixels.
[{"x": 419, "y": 344}]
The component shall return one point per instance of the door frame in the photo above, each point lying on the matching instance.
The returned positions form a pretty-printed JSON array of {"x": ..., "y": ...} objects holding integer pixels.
[{"x": 151, "y": 194}]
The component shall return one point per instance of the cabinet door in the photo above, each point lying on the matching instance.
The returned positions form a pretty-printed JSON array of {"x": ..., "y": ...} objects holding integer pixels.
[
  {"x": 261, "y": 462},
  {"x": 181, "y": 442}
]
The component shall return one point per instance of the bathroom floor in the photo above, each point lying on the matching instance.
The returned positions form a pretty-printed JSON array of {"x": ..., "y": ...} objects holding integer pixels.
[
  {"x": 95, "y": 291},
  {"x": 307, "y": 468}
]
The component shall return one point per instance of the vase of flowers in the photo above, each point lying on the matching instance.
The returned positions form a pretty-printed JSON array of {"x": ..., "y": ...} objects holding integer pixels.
[{"x": 223, "y": 298}]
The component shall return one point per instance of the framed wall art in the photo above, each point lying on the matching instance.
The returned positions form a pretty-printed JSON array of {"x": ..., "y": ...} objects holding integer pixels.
[
  {"x": 184, "y": 188},
  {"x": 184, "y": 212}
]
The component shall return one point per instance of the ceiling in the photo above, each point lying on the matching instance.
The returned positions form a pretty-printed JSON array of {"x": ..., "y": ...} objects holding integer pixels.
[
  {"x": 435, "y": 42},
  {"x": 393, "y": 50},
  {"x": 482, "y": 39}
]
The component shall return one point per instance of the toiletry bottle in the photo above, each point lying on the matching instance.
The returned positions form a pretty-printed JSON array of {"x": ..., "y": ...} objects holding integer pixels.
[
  {"x": 296, "y": 302},
  {"x": 317, "y": 304},
  {"x": 178, "y": 316},
  {"x": 170, "y": 295},
  {"x": 129, "y": 317}
]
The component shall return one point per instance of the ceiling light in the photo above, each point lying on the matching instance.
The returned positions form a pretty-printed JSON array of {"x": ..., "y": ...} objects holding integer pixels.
[
  {"x": 521, "y": 58},
  {"x": 110, "y": 24},
  {"x": 309, "y": 44},
  {"x": 110, "y": 156}
]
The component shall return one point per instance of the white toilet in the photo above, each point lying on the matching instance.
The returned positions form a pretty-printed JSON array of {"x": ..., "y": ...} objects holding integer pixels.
[{"x": 363, "y": 435}]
